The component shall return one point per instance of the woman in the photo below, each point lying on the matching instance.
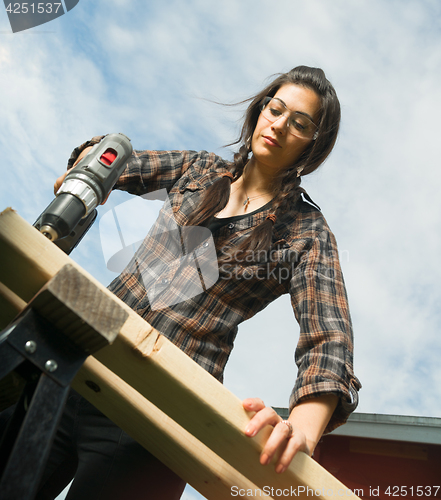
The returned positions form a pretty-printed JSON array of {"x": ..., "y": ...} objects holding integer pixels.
[{"x": 270, "y": 239}]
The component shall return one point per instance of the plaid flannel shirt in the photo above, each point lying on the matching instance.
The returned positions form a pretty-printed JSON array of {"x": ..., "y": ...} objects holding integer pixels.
[{"x": 303, "y": 262}]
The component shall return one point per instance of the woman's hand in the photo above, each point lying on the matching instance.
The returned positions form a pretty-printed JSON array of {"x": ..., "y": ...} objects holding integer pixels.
[
  {"x": 308, "y": 420},
  {"x": 60, "y": 179},
  {"x": 282, "y": 442}
]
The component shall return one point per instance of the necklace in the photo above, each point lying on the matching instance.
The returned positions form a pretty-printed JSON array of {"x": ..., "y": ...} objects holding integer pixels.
[{"x": 248, "y": 199}]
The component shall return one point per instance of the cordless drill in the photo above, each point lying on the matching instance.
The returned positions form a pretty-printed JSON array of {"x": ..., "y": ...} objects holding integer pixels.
[{"x": 72, "y": 212}]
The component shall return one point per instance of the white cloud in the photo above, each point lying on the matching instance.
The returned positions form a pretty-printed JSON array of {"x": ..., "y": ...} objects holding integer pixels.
[{"x": 141, "y": 68}]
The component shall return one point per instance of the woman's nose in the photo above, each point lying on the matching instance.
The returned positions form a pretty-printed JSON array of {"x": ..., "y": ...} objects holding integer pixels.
[{"x": 281, "y": 124}]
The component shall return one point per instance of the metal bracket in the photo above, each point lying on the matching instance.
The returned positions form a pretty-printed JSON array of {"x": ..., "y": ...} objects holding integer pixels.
[
  {"x": 48, "y": 360},
  {"x": 43, "y": 345}
]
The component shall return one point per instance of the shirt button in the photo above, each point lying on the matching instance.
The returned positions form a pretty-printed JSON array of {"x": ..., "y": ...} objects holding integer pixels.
[
  {"x": 230, "y": 225},
  {"x": 164, "y": 281},
  {"x": 206, "y": 244},
  {"x": 184, "y": 184}
]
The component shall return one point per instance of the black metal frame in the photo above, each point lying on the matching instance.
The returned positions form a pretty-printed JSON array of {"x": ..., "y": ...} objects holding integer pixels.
[{"x": 48, "y": 360}]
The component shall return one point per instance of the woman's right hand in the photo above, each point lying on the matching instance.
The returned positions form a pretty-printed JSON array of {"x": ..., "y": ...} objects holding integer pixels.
[{"x": 60, "y": 179}]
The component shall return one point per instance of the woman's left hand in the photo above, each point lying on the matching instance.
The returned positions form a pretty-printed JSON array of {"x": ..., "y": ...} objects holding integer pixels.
[{"x": 281, "y": 442}]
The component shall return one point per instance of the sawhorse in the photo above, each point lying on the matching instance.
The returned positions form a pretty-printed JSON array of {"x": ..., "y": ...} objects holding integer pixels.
[
  {"x": 47, "y": 357},
  {"x": 147, "y": 385}
]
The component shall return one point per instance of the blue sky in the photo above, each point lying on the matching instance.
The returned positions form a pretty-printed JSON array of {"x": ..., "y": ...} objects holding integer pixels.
[{"x": 150, "y": 72}]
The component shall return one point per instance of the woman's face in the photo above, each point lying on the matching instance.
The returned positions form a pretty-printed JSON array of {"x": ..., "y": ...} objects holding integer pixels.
[{"x": 274, "y": 147}]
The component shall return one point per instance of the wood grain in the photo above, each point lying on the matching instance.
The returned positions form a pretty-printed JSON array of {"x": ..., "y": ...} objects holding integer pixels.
[
  {"x": 162, "y": 374},
  {"x": 164, "y": 438},
  {"x": 79, "y": 309}
]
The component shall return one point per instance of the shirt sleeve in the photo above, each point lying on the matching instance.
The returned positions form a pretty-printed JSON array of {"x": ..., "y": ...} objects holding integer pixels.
[
  {"x": 147, "y": 171},
  {"x": 76, "y": 152},
  {"x": 324, "y": 354}
]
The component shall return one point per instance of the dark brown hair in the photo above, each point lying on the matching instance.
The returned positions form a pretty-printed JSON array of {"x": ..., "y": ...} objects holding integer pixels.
[{"x": 216, "y": 196}]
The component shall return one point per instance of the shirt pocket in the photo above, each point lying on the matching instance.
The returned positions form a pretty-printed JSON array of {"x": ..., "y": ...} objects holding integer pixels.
[{"x": 185, "y": 196}]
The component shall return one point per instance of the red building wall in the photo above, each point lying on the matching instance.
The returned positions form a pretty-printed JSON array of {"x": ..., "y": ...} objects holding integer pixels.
[{"x": 383, "y": 469}]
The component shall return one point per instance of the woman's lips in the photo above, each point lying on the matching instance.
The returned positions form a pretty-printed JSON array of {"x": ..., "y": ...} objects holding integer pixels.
[{"x": 272, "y": 142}]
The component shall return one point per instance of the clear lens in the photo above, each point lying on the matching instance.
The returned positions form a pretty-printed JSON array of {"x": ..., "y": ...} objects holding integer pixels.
[{"x": 298, "y": 124}]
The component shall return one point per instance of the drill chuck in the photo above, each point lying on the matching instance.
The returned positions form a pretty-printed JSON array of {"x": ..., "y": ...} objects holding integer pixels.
[
  {"x": 81, "y": 188},
  {"x": 49, "y": 232},
  {"x": 61, "y": 216}
]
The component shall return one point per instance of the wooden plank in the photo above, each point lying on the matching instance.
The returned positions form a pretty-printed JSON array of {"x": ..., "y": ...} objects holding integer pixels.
[
  {"x": 13, "y": 299},
  {"x": 166, "y": 376},
  {"x": 10, "y": 305},
  {"x": 95, "y": 323},
  {"x": 187, "y": 456},
  {"x": 31, "y": 260},
  {"x": 210, "y": 412},
  {"x": 80, "y": 310},
  {"x": 23, "y": 276},
  {"x": 12, "y": 385},
  {"x": 170, "y": 443}
]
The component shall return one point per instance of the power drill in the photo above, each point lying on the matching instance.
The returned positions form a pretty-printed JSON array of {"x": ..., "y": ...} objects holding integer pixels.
[{"x": 72, "y": 212}]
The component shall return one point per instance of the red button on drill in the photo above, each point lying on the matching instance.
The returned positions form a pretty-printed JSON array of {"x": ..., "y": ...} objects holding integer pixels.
[{"x": 108, "y": 157}]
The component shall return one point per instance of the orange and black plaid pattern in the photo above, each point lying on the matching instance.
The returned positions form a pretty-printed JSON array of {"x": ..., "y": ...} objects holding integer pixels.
[{"x": 303, "y": 262}]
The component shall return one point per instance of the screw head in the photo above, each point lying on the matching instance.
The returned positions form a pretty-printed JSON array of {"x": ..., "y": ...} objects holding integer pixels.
[
  {"x": 30, "y": 347},
  {"x": 93, "y": 385},
  {"x": 51, "y": 365}
]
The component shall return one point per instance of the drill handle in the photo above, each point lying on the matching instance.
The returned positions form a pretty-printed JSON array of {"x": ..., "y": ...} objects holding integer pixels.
[{"x": 98, "y": 170}]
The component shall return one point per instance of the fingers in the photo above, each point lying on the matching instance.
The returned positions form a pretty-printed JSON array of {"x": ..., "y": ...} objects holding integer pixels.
[
  {"x": 253, "y": 404},
  {"x": 58, "y": 182},
  {"x": 82, "y": 155},
  {"x": 293, "y": 445},
  {"x": 284, "y": 445},
  {"x": 60, "y": 179},
  {"x": 284, "y": 441},
  {"x": 277, "y": 442},
  {"x": 107, "y": 197},
  {"x": 264, "y": 416}
]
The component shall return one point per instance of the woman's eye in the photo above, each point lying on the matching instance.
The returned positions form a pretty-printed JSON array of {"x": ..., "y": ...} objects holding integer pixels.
[
  {"x": 298, "y": 125},
  {"x": 275, "y": 112}
]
